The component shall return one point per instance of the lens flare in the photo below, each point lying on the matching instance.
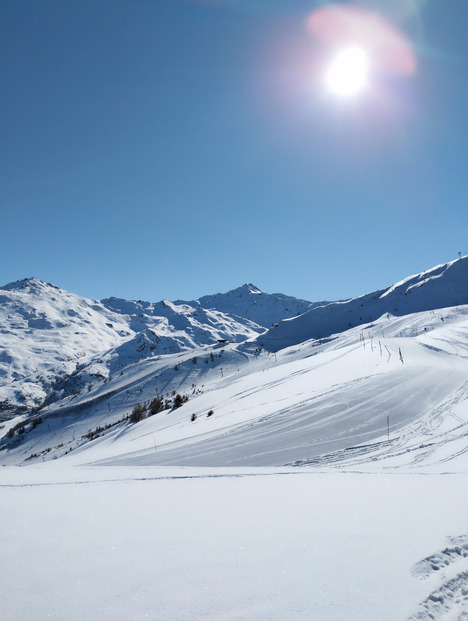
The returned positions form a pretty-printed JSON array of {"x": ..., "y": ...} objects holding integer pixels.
[{"x": 346, "y": 26}]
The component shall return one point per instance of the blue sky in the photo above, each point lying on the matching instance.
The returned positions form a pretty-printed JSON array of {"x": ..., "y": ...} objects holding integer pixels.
[{"x": 171, "y": 148}]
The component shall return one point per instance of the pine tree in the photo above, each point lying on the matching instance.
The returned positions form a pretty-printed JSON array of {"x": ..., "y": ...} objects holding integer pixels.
[
  {"x": 138, "y": 413},
  {"x": 156, "y": 405},
  {"x": 178, "y": 400}
]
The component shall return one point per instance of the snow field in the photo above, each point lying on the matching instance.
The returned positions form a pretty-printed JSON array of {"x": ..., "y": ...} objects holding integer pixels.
[{"x": 214, "y": 545}]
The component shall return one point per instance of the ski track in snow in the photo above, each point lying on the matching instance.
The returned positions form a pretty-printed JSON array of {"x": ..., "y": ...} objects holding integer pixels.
[
  {"x": 232, "y": 474},
  {"x": 315, "y": 426},
  {"x": 425, "y": 441}
]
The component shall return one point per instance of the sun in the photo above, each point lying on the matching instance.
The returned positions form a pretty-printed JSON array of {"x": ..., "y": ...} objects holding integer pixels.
[{"x": 347, "y": 74}]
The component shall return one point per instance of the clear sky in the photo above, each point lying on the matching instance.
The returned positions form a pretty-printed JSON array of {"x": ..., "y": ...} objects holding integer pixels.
[{"x": 157, "y": 149}]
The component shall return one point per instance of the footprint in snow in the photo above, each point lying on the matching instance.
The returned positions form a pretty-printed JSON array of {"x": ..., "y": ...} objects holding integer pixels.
[{"x": 450, "y": 600}]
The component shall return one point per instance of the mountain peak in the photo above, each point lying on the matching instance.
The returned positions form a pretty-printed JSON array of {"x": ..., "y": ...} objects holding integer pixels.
[
  {"x": 248, "y": 288},
  {"x": 251, "y": 288},
  {"x": 250, "y": 302},
  {"x": 27, "y": 283}
]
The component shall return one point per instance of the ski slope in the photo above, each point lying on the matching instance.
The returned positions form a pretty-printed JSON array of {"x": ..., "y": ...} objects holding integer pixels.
[
  {"x": 384, "y": 384},
  {"x": 328, "y": 481}
]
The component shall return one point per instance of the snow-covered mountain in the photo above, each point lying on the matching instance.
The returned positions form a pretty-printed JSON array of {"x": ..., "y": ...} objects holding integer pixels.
[
  {"x": 440, "y": 287},
  {"x": 44, "y": 333},
  {"x": 264, "y": 309},
  {"x": 92, "y": 362},
  {"x": 54, "y": 342}
]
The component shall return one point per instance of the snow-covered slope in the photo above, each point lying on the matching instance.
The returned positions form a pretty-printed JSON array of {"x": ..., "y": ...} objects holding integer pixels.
[
  {"x": 44, "y": 333},
  {"x": 443, "y": 286},
  {"x": 383, "y": 390},
  {"x": 405, "y": 358}
]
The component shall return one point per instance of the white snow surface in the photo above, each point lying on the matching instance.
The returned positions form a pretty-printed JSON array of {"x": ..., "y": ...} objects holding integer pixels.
[
  {"x": 321, "y": 480},
  {"x": 231, "y": 545}
]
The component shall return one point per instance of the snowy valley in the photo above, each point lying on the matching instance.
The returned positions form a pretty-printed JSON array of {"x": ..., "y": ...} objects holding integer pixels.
[{"x": 242, "y": 456}]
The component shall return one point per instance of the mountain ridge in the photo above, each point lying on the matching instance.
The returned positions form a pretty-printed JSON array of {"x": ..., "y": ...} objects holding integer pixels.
[
  {"x": 48, "y": 334},
  {"x": 442, "y": 286}
]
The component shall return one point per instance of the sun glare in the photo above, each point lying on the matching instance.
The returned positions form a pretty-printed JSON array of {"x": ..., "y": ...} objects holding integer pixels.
[{"x": 347, "y": 74}]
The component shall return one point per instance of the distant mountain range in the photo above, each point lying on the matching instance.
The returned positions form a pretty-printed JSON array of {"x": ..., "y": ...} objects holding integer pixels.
[{"x": 47, "y": 334}]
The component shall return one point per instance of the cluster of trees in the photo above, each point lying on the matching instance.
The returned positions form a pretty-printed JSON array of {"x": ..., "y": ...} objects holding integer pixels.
[
  {"x": 156, "y": 405},
  {"x": 95, "y": 433}
]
